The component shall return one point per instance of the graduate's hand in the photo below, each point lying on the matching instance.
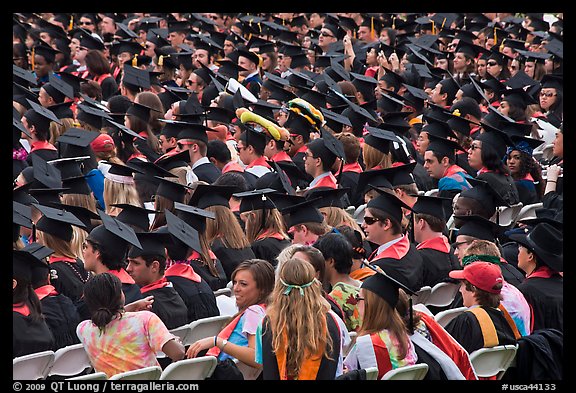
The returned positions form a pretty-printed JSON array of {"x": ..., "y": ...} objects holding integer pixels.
[
  {"x": 199, "y": 346},
  {"x": 140, "y": 305}
]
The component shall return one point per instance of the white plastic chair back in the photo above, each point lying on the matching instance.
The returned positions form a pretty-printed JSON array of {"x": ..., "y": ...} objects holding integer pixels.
[
  {"x": 223, "y": 291},
  {"x": 33, "y": 366},
  {"x": 353, "y": 336},
  {"x": 444, "y": 317},
  {"x": 190, "y": 369},
  {"x": 528, "y": 211},
  {"x": 422, "y": 308},
  {"x": 181, "y": 332},
  {"x": 415, "y": 372},
  {"x": 432, "y": 192},
  {"x": 371, "y": 373},
  {"x": 488, "y": 362},
  {"x": 249, "y": 373},
  {"x": 70, "y": 360},
  {"x": 205, "y": 327},
  {"x": 442, "y": 294},
  {"x": 421, "y": 295},
  {"x": 97, "y": 376},
  {"x": 506, "y": 215},
  {"x": 151, "y": 373},
  {"x": 226, "y": 305}
]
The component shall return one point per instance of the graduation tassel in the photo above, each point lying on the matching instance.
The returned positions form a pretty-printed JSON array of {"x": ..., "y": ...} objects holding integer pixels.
[
  {"x": 495, "y": 36},
  {"x": 442, "y": 27},
  {"x": 394, "y": 22},
  {"x": 135, "y": 60},
  {"x": 32, "y": 58},
  {"x": 433, "y": 28},
  {"x": 372, "y": 27},
  {"x": 161, "y": 60},
  {"x": 71, "y": 25},
  {"x": 501, "y": 48}
]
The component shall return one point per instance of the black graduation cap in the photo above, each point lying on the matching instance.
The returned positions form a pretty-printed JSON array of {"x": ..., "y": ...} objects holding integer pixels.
[
  {"x": 88, "y": 41},
  {"x": 521, "y": 80},
  {"x": 518, "y": 97},
  {"x": 399, "y": 175},
  {"x": 153, "y": 244},
  {"x": 48, "y": 175},
  {"x": 415, "y": 96},
  {"x": 128, "y": 46},
  {"x": 158, "y": 37},
  {"x": 431, "y": 205},
  {"x": 150, "y": 168},
  {"x": 194, "y": 216},
  {"x": 552, "y": 81},
  {"x": 364, "y": 84},
  {"x": 40, "y": 114},
  {"x": 495, "y": 138},
  {"x": 122, "y": 173},
  {"x": 391, "y": 102},
  {"x": 380, "y": 139},
  {"x": 114, "y": 236},
  {"x": 23, "y": 264},
  {"x": 255, "y": 199},
  {"x": 385, "y": 286},
  {"x": 69, "y": 166},
  {"x": 62, "y": 110},
  {"x": 264, "y": 109},
  {"x": 79, "y": 138},
  {"x": 388, "y": 202},
  {"x": 124, "y": 132},
  {"x": 334, "y": 120},
  {"x": 91, "y": 115},
  {"x": 57, "y": 222},
  {"x": 392, "y": 79},
  {"x": 170, "y": 189},
  {"x": 478, "y": 227},
  {"x": 21, "y": 194},
  {"x": 135, "y": 78},
  {"x": 556, "y": 48},
  {"x": 327, "y": 147},
  {"x": 141, "y": 111},
  {"x": 499, "y": 57},
  {"x": 459, "y": 123},
  {"x": 180, "y": 230},
  {"x": 302, "y": 212},
  {"x": 443, "y": 147},
  {"x": 83, "y": 214},
  {"x": 58, "y": 89},
  {"x": 468, "y": 48},
  {"x": 328, "y": 197},
  {"x": 135, "y": 216},
  {"x": 547, "y": 215},
  {"x": 177, "y": 160},
  {"x": 46, "y": 51},
  {"x": 124, "y": 32},
  {"x": 23, "y": 77},
  {"x": 22, "y": 215},
  {"x": 525, "y": 143},
  {"x": 484, "y": 193},
  {"x": 206, "y": 195},
  {"x": 250, "y": 55},
  {"x": 41, "y": 270}
]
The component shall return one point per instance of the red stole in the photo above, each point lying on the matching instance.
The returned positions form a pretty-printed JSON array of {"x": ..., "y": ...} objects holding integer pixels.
[
  {"x": 143, "y": 134},
  {"x": 439, "y": 243},
  {"x": 484, "y": 170},
  {"x": 41, "y": 145},
  {"x": 182, "y": 270},
  {"x": 528, "y": 177},
  {"x": 155, "y": 285},
  {"x": 123, "y": 276},
  {"x": 473, "y": 130},
  {"x": 327, "y": 181},
  {"x": 101, "y": 78},
  {"x": 137, "y": 156},
  {"x": 275, "y": 235},
  {"x": 281, "y": 156},
  {"x": 260, "y": 161},
  {"x": 21, "y": 309},
  {"x": 45, "y": 290},
  {"x": 449, "y": 346},
  {"x": 303, "y": 149},
  {"x": 196, "y": 255},
  {"x": 396, "y": 251},
  {"x": 232, "y": 166},
  {"x": 542, "y": 272},
  {"x": 54, "y": 259},
  {"x": 354, "y": 167},
  {"x": 383, "y": 361}
]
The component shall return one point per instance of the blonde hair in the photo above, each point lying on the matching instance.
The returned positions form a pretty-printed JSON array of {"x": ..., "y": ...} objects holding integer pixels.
[
  {"x": 482, "y": 247},
  {"x": 59, "y": 129},
  {"x": 273, "y": 222},
  {"x": 336, "y": 216},
  {"x": 61, "y": 247},
  {"x": 307, "y": 334},
  {"x": 379, "y": 315},
  {"x": 87, "y": 202},
  {"x": 119, "y": 193},
  {"x": 374, "y": 157},
  {"x": 225, "y": 227}
]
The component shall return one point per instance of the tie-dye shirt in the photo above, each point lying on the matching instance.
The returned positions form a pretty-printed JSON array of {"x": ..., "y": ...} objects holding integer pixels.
[
  {"x": 128, "y": 343},
  {"x": 345, "y": 295}
]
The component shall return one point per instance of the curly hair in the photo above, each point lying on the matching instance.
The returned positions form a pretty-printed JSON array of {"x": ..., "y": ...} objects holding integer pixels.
[{"x": 103, "y": 297}]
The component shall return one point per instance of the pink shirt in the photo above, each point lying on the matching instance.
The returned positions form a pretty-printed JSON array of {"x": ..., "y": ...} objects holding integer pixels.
[{"x": 128, "y": 343}]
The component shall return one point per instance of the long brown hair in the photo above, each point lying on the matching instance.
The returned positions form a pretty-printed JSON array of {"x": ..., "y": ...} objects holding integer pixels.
[
  {"x": 226, "y": 228},
  {"x": 273, "y": 222}
]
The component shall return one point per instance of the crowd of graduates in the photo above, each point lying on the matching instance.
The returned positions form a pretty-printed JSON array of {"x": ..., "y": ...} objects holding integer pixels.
[{"x": 325, "y": 167}]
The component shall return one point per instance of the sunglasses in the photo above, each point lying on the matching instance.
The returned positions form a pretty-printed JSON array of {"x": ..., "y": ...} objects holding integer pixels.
[
  {"x": 491, "y": 63},
  {"x": 474, "y": 147},
  {"x": 549, "y": 95},
  {"x": 86, "y": 23},
  {"x": 324, "y": 34},
  {"x": 370, "y": 220}
]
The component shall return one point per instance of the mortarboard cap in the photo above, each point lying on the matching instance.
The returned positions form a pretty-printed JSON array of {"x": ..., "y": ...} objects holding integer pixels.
[
  {"x": 150, "y": 169},
  {"x": 21, "y": 215},
  {"x": 484, "y": 193},
  {"x": 195, "y": 132},
  {"x": 468, "y": 48},
  {"x": 46, "y": 51},
  {"x": 431, "y": 205},
  {"x": 383, "y": 286},
  {"x": 40, "y": 270},
  {"x": 38, "y": 113},
  {"x": 302, "y": 212},
  {"x": 178, "y": 26},
  {"x": 334, "y": 120},
  {"x": 46, "y": 174},
  {"x": 46, "y": 195},
  {"x": 327, "y": 147},
  {"x": 521, "y": 80},
  {"x": 556, "y": 48},
  {"x": 23, "y": 77},
  {"x": 135, "y": 216},
  {"x": 23, "y": 264},
  {"x": 135, "y": 78},
  {"x": 91, "y": 115},
  {"x": 172, "y": 161},
  {"x": 90, "y": 42},
  {"x": 58, "y": 89},
  {"x": 57, "y": 222},
  {"x": 126, "y": 46},
  {"x": 478, "y": 227},
  {"x": 211, "y": 195},
  {"x": 380, "y": 139},
  {"x": 83, "y": 214},
  {"x": 78, "y": 137},
  {"x": 255, "y": 199},
  {"x": 328, "y": 197},
  {"x": 399, "y": 175},
  {"x": 193, "y": 216},
  {"x": 494, "y": 137},
  {"x": 124, "y": 132},
  {"x": 443, "y": 147},
  {"x": 180, "y": 230},
  {"x": 124, "y": 32},
  {"x": 153, "y": 244},
  {"x": 388, "y": 202},
  {"x": 172, "y": 190},
  {"x": 114, "y": 235},
  {"x": 518, "y": 97},
  {"x": 69, "y": 166},
  {"x": 62, "y": 110},
  {"x": 141, "y": 111},
  {"x": 552, "y": 81}
]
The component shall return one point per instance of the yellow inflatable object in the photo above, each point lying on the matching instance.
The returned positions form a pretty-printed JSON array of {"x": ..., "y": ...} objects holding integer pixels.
[{"x": 275, "y": 131}]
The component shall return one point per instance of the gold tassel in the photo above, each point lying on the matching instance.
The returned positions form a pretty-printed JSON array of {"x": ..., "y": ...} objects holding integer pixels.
[
  {"x": 32, "y": 58},
  {"x": 135, "y": 60},
  {"x": 442, "y": 27},
  {"x": 372, "y": 27},
  {"x": 501, "y": 48},
  {"x": 71, "y": 25},
  {"x": 394, "y": 22},
  {"x": 433, "y": 29},
  {"x": 495, "y": 36},
  {"x": 161, "y": 60}
]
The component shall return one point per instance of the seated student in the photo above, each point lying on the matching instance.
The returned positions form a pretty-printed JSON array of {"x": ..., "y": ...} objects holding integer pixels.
[
  {"x": 383, "y": 340},
  {"x": 253, "y": 283},
  {"x": 59, "y": 311},
  {"x": 193, "y": 289},
  {"x": 486, "y": 323},
  {"x": 117, "y": 341},
  {"x": 304, "y": 348},
  {"x": 304, "y": 221},
  {"x": 541, "y": 257},
  {"x": 147, "y": 267},
  {"x": 31, "y": 333},
  {"x": 337, "y": 252}
]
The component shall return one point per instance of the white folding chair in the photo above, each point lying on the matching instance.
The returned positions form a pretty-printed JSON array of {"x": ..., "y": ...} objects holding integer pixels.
[
  {"x": 421, "y": 295},
  {"x": 489, "y": 362},
  {"x": 506, "y": 215},
  {"x": 432, "y": 192},
  {"x": 70, "y": 361},
  {"x": 353, "y": 336},
  {"x": 33, "y": 366},
  {"x": 226, "y": 305},
  {"x": 528, "y": 211},
  {"x": 371, "y": 373},
  {"x": 422, "y": 308},
  {"x": 97, "y": 376},
  {"x": 415, "y": 372},
  {"x": 223, "y": 291},
  {"x": 181, "y": 332},
  {"x": 190, "y": 369},
  {"x": 444, "y": 317},
  {"x": 205, "y": 327},
  {"x": 442, "y": 294},
  {"x": 151, "y": 373},
  {"x": 249, "y": 373}
]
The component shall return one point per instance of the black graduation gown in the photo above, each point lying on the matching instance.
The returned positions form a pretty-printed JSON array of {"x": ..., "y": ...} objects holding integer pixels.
[
  {"x": 109, "y": 88},
  {"x": 197, "y": 296},
  {"x": 144, "y": 148},
  {"x": 269, "y": 248},
  {"x": 215, "y": 283},
  {"x": 423, "y": 180},
  {"x": 437, "y": 265},
  {"x": 546, "y": 299},
  {"x": 298, "y": 159},
  {"x": 131, "y": 292},
  {"x": 409, "y": 270},
  {"x": 503, "y": 185},
  {"x": 527, "y": 195},
  {"x": 207, "y": 172},
  {"x": 29, "y": 336},
  {"x": 230, "y": 257},
  {"x": 69, "y": 278},
  {"x": 169, "y": 306},
  {"x": 350, "y": 180},
  {"x": 328, "y": 367},
  {"x": 62, "y": 319},
  {"x": 511, "y": 274},
  {"x": 465, "y": 328},
  {"x": 45, "y": 154}
]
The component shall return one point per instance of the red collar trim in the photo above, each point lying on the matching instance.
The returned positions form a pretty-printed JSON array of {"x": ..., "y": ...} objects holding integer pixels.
[
  {"x": 196, "y": 255},
  {"x": 155, "y": 285},
  {"x": 542, "y": 272},
  {"x": 303, "y": 149},
  {"x": 232, "y": 166},
  {"x": 21, "y": 309},
  {"x": 452, "y": 170},
  {"x": 54, "y": 259},
  {"x": 41, "y": 145},
  {"x": 123, "y": 276},
  {"x": 183, "y": 270},
  {"x": 397, "y": 250},
  {"x": 260, "y": 161},
  {"x": 275, "y": 235},
  {"x": 46, "y": 290},
  {"x": 281, "y": 156},
  {"x": 354, "y": 167},
  {"x": 437, "y": 243}
]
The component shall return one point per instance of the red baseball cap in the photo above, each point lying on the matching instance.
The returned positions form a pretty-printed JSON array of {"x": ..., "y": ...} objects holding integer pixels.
[
  {"x": 483, "y": 275},
  {"x": 102, "y": 143}
]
